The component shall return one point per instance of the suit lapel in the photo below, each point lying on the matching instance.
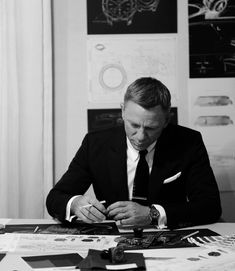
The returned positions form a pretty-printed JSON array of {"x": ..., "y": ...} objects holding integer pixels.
[{"x": 117, "y": 166}]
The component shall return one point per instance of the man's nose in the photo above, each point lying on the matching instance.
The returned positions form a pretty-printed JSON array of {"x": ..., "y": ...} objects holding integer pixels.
[{"x": 141, "y": 134}]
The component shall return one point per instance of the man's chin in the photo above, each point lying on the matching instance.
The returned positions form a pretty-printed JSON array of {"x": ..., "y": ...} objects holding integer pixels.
[{"x": 139, "y": 147}]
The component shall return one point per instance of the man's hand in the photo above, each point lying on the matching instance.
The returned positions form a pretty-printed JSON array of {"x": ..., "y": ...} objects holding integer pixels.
[
  {"x": 88, "y": 209},
  {"x": 129, "y": 213}
]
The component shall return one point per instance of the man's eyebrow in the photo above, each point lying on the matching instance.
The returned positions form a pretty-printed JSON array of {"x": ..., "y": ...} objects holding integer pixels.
[
  {"x": 151, "y": 127},
  {"x": 146, "y": 127}
]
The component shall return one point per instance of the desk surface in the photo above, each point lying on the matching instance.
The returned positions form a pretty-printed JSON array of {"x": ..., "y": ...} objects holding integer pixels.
[{"x": 13, "y": 261}]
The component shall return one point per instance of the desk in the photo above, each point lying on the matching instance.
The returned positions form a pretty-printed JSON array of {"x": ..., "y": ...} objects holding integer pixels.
[{"x": 13, "y": 261}]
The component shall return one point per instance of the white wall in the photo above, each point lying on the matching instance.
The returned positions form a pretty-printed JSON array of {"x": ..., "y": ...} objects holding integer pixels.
[{"x": 70, "y": 73}]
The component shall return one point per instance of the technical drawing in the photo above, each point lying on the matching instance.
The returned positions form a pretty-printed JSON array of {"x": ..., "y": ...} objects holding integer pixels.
[
  {"x": 213, "y": 120},
  {"x": 124, "y": 10},
  {"x": 214, "y": 100},
  {"x": 210, "y": 8},
  {"x": 212, "y": 38}
]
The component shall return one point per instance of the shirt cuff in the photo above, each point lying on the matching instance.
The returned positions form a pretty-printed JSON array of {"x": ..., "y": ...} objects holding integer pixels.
[
  {"x": 162, "y": 221},
  {"x": 68, "y": 215}
]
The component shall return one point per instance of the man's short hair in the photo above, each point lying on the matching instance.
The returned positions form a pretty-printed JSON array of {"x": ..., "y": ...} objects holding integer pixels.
[{"x": 148, "y": 92}]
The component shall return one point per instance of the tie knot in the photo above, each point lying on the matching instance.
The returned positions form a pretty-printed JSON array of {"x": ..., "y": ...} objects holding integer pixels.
[{"x": 143, "y": 153}]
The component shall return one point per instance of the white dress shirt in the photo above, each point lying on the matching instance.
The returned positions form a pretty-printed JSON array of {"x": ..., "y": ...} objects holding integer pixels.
[{"x": 132, "y": 161}]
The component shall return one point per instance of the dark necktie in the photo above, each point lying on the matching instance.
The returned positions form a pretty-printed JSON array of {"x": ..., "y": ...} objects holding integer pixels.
[{"x": 140, "y": 187}]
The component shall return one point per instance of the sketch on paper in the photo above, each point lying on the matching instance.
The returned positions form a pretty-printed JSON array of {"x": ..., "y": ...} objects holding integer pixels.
[
  {"x": 212, "y": 112},
  {"x": 212, "y": 38},
  {"x": 213, "y": 100},
  {"x": 131, "y": 16},
  {"x": 214, "y": 120},
  {"x": 104, "y": 118},
  {"x": 124, "y": 11},
  {"x": 115, "y": 63},
  {"x": 56, "y": 243}
]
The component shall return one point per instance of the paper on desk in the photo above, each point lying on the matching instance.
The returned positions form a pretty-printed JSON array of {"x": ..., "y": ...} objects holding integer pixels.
[
  {"x": 4, "y": 221},
  {"x": 5, "y": 242},
  {"x": 194, "y": 259},
  {"x": 41, "y": 243},
  {"x": 223, "y": 242}
]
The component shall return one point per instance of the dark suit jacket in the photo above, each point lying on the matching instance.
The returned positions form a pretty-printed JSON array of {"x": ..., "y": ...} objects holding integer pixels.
[{"x": 192, "y": 198}]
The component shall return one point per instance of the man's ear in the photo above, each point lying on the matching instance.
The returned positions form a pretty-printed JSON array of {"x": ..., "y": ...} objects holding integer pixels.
[
  {"x": 123, "y": 109},
  {"x": 168, "y": 118}
]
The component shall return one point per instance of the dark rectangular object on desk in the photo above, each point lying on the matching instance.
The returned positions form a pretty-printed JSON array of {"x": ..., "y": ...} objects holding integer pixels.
[
  {"x": 106, "y": 228},
  {"x": 161, "y": 239},
  {"x": 47, "y": 261},
  {"x": 2, "y": 255}
]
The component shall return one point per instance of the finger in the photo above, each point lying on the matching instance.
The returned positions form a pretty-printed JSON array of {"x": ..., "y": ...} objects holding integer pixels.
[
  {"x": 128, "y": 221},
  {"x": 100, "y": 207},
  {"x": 92, "y": 213},
  {"x": 123, "y": 215},
  {"x": 99, "y": 215},
  {"x": 119, "y": 217},
  {"x": 84, "y": 211},
  {"x": 117, "y": 211},
  {"x": 82, "y": 217},
  {"x": 118, "y": 207},
  {"x": 118, "y": 204}
]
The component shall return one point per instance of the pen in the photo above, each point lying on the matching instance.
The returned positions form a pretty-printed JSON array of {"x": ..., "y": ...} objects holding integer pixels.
[
  {"x": 36, "y": 229},
  {"x": 89, "y": 205},
  {"x": 189, "y": 235}
]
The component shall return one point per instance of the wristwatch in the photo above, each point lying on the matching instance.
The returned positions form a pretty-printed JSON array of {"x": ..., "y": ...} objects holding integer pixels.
[{"x": 154, "y": 215}]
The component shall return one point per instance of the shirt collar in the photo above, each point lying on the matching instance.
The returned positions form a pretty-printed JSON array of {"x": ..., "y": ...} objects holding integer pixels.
[{"x": 133, "y": 154}]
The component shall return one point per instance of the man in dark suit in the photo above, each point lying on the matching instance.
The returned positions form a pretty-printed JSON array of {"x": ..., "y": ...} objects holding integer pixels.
[{"x": 178, "y": 189}]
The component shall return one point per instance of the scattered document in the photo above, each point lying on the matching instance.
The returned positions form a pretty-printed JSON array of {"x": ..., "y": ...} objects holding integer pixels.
[{"x": 50, "y": 243}]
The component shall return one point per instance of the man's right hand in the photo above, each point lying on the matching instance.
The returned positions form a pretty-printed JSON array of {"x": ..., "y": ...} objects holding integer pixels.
[{"x": 88, "y": 209}]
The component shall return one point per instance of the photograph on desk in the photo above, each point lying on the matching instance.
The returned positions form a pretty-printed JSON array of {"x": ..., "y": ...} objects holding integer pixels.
[{"x": 76, "y": 227}]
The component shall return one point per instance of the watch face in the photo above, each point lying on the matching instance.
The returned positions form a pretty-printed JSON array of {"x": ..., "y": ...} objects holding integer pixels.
[
  {"x": 154, "y": 213},
  {"x": 119, "y": 10}
]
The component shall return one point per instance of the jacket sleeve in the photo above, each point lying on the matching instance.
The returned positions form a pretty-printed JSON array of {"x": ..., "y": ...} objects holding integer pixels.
[
  {"x": 75, "y": 181},
  {"x": 202, "y": 199}
]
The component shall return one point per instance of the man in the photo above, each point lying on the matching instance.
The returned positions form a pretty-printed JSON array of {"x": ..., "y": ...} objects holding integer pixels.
[{"x": 179, "y": 189}]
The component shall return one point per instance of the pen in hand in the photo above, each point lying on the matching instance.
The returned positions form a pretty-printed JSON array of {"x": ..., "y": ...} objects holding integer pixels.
[{"x": 91, "y": 205}]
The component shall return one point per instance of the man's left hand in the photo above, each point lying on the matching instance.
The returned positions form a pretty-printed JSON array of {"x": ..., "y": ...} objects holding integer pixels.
[{"x": 129, "y": 213}]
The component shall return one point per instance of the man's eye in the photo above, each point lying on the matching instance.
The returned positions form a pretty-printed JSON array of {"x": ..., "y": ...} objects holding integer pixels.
[
  {"x": 151, "y": 128},
  {"x": 134, "y": 125}
]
